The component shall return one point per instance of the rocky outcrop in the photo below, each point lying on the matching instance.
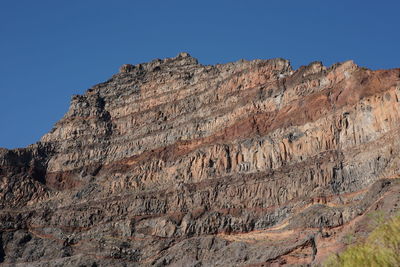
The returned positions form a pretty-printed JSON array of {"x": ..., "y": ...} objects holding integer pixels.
[{"x": 175, "y": 163}]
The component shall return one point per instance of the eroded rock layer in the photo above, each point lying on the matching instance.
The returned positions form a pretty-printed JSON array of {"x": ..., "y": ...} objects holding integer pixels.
[{"x": 171, "y": 162}]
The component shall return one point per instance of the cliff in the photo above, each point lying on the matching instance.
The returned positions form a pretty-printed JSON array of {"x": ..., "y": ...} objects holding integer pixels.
[{"x": 175, "y": 163}]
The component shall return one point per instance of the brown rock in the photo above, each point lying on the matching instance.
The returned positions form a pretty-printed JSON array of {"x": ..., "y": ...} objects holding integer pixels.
[
  {"x": 175, "y": 163},
  {"x": 126, "y": 68}
]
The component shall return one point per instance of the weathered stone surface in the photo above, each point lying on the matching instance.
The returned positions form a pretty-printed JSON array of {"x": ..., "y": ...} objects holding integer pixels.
[{"x": 175, "y": 163}]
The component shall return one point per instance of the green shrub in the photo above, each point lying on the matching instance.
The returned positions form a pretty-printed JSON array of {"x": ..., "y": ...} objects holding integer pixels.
[{"x": 381, "y": 248}]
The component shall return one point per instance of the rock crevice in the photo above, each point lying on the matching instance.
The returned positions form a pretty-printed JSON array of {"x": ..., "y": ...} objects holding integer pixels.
[{"x": 176, "y": 163}]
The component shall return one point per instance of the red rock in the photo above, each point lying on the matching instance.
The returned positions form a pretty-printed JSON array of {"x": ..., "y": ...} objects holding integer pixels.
[{"x": 248, "y": 163}]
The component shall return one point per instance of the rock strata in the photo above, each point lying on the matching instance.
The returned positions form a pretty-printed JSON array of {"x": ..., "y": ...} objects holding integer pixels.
[{"x": 171, "y": 162}]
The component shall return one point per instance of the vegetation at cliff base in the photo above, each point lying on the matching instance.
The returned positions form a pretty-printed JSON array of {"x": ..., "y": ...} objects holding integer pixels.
[{"x": 381, "y": 248}]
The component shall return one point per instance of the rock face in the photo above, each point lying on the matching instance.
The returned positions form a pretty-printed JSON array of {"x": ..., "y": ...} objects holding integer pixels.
[{"x": 171, "y": 162}]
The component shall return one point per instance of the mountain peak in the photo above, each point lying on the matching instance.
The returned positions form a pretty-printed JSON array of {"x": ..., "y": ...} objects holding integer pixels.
[{"x": 174, "y": 162}]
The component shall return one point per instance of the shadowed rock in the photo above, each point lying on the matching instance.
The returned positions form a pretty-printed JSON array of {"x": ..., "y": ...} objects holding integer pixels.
[{"x": 176, "y": 163}]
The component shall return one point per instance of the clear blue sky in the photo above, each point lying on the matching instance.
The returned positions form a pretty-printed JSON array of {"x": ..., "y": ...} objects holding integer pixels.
[{"x": 50, "y": 50}]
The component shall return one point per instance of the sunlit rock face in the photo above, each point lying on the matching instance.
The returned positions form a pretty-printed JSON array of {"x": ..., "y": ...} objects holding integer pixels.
[{"x": 175, "y": 163}]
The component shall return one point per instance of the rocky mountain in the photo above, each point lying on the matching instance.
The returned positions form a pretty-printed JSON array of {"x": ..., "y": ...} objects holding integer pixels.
[{"x": 175, "y": 163}]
